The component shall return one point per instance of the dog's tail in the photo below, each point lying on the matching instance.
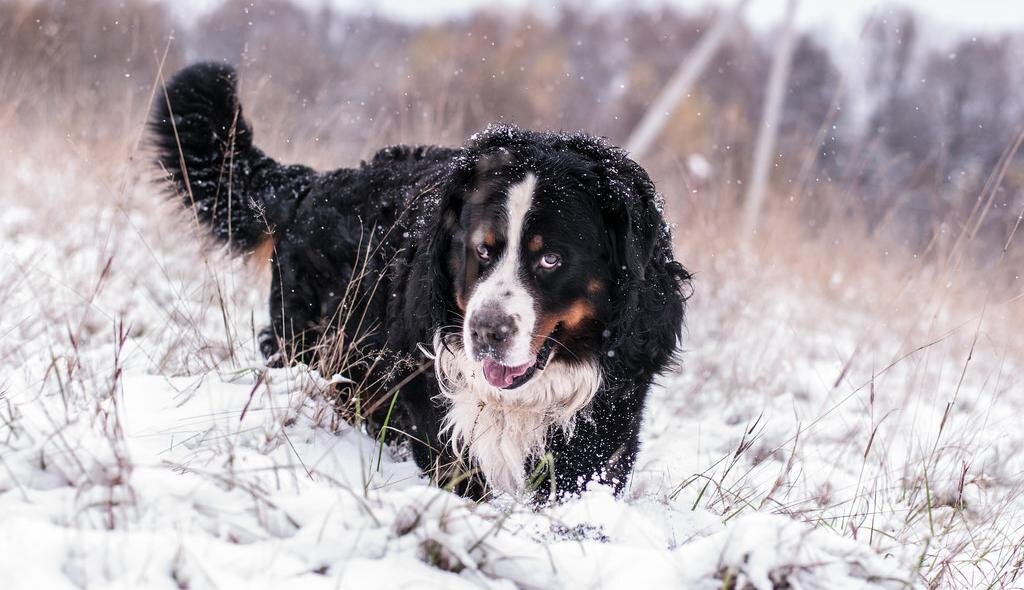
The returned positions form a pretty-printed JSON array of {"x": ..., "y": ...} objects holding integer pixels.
[{"x": 205, "y": 145}]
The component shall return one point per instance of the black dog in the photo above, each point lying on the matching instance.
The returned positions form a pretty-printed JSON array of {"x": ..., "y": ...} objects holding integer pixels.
[{"x": 518, "y": 294}]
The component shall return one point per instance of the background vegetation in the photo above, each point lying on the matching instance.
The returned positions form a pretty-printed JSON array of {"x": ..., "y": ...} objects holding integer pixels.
[{"x": 904, "y": 138}]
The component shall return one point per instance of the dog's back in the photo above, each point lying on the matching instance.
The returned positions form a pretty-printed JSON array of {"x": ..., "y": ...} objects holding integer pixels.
[
  {"x": 319, "y": 229},
  {"x": 206, "y": 146}
]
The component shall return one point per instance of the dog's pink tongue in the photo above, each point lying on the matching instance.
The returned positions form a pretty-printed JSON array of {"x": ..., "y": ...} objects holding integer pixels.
[{"x": 501, "y": 376}]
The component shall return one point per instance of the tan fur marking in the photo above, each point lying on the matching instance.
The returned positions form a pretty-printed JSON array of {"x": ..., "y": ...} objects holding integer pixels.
[
  {"x": 594, "y": 286},
  {"x": 259, "y": 259},
  {"x": 578, "y": 311},
  {"x": 573, "y": 316},
  {"x": 264, "y": 251},
  {"x": 536, "y": 243}
]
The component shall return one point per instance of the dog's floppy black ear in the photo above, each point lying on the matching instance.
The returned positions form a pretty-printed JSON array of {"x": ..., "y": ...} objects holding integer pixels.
[
  {"x": 651, "y": 288},
  {"x": 430, "y": 289}
]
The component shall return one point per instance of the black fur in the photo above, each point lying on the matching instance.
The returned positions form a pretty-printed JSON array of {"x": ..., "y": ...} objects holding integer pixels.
[
  {"x": 205, "y": 143},
  {"x": 392, "y": 227}
]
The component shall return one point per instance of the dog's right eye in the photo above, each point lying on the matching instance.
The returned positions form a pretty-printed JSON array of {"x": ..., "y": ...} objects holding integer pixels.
[{"x": 483, "y": 252}]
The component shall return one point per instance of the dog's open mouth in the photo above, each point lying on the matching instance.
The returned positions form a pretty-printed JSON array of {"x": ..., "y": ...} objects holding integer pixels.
[{"x": 505, "y": 377}]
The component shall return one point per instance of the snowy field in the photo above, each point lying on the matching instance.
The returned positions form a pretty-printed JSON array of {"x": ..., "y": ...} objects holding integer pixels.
[{"x": 827, "y": 429}]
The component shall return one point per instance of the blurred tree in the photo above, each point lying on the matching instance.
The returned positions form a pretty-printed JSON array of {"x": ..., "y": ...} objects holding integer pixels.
[
  {"x": 909, "y": 145},
  {"x": 764, "y": 151},
  {"x": 87, "y": 54}
]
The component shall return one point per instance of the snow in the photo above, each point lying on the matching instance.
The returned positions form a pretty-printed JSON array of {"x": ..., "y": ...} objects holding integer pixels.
[
  {"x": 224, "y": 480},
  {"x": 805, "y": 439},
  {"x": 698, "y": 166}
]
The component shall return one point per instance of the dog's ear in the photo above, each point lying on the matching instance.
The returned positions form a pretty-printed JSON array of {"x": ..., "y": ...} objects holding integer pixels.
[
  {"x": 443, "y": 266},
  {"x": 430, "y": 290},
  {"x": 651, "y": 288}
]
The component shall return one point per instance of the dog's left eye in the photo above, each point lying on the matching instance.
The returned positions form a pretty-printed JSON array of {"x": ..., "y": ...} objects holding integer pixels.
[
  {"x": 550, "y": 261},
  {"x": 483, "y": 253}
]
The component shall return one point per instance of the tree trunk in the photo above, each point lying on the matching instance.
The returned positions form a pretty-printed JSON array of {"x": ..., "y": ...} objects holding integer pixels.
[
  {"x": 644, "y": 134},
  {"x": 766, "y": 137}
]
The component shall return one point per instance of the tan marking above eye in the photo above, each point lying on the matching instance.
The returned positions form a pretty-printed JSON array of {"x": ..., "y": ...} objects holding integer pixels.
[
  {"x": 536, "y": 243},
  {"x": 594, "y": 286},
  {"x": 490, "y": 239}
]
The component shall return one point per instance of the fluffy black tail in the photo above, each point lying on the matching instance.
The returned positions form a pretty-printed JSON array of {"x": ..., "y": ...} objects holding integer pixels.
[{"x": 206, "y": 146}]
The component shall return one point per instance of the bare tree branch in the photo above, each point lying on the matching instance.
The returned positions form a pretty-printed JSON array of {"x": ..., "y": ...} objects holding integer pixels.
[{"x": 643, "y": 136}]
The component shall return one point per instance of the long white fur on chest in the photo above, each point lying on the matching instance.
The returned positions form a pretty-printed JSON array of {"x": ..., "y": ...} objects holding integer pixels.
[{"x": 499, "y": 430}]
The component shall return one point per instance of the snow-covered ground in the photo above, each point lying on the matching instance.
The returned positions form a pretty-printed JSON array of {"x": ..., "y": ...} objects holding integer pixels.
[{"x": 815, "y": 437}]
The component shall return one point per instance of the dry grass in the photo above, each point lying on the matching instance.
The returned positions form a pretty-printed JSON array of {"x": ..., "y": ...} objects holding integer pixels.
[{"x": 926, "y": 346}]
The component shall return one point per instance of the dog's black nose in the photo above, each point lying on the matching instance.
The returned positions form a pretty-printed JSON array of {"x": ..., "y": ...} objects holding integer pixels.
[{"x": 490, "y": 328}]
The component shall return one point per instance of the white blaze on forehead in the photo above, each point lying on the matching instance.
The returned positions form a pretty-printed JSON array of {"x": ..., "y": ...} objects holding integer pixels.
[
  {"x": 520, "y": 198},
  {"x": 503, "y": 289}
]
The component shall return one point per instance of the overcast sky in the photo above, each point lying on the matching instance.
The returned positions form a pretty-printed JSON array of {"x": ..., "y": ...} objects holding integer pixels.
[{"x": 840, "y": 16}]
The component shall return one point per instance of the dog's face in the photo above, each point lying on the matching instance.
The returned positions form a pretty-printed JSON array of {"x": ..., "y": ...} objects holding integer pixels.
[
  {"x": 532, "y": 269},
  {"x": 552, "y": 279}
]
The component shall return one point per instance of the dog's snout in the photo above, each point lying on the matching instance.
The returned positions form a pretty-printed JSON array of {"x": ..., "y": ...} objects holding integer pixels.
[{"x": 491, "y": 328}]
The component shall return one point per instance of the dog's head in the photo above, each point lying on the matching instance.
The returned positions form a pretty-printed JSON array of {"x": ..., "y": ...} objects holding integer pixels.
[{"x": 553, "y": 249}]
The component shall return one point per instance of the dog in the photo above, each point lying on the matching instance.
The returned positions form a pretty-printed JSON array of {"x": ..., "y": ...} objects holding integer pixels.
[{"x": 511, "y": 300}]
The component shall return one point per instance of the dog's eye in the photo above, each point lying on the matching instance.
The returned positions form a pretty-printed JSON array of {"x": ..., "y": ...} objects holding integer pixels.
[
  {"x": 483, "y": 252},
  {"x": 550, "y": 261}
]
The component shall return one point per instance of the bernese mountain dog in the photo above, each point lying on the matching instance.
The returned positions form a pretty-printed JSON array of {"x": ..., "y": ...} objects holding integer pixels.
[{"x": 510, "y": 300}]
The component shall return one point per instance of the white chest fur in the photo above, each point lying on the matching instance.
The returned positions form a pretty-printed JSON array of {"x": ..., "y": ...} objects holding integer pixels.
[{"x": 498, "y": 429}]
